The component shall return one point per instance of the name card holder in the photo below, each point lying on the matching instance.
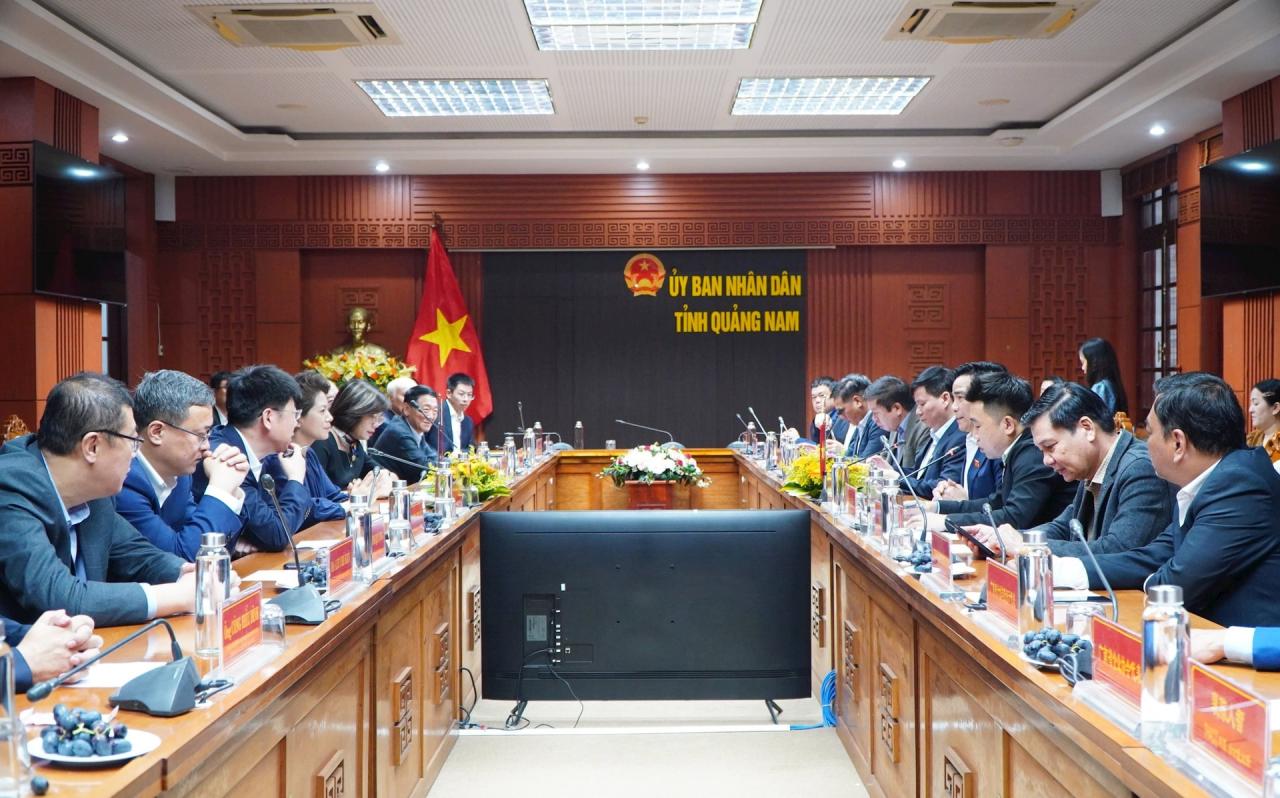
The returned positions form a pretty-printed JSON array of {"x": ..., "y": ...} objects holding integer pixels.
[
  {"x": 1001, "y": 617},
  {"x": 1116, "y": 688},
  {"x": 243, "y": 653},
  {"x": 1229, "y": 736},
  {"x": 940, "y": 580},
  {"x": 341, "y": 584}
]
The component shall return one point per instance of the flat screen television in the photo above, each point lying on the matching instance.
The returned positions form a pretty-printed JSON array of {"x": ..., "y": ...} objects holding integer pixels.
[
  {"x": 79, "y": 228},
  {"x": 645, "y": 605},
  {"x": 1240, "y": 223}
]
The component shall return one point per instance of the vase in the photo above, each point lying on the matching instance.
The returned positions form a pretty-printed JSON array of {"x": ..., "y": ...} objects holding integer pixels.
[{"x": 650, "y": 496}]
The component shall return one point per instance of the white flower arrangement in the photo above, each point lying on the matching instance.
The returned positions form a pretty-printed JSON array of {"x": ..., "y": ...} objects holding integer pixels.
[{"x": 652, "y": 463}]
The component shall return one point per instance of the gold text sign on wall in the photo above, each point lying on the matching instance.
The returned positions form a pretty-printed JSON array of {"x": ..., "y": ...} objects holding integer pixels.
[{"x": 645, "y": 275}]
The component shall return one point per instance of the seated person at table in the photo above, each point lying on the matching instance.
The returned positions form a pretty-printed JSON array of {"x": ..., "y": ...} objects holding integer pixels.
[
  {"x": 892, "y": 408},
  {"x": 1030, "y": 493},
  {"x": 262, "y": 405},
  {"x": 457, "y": 430},
  {"x": 981, "y": 474},
  {"x": 1264, "y": 412},
  {"x": 411, "y": 437},
  {"x": 944, "y": 458},
  {"x": 174, "y": 412},
  {"x": 1245, "y": 645},
  {"x": 863, "y": 436},
  {"x": 218, "y": 383},
  {"x": 396, "y": 390},
  {"x": 53, "y": 645},
  {"x": 357, "y": 413},
  {"x": 824, "y": 411},
  {"x": 316, "y": 425},
  {"x": 64, "y": 545},
  {"x": 1223, "y": 546},
  {"x": 1120, "y": 501}
]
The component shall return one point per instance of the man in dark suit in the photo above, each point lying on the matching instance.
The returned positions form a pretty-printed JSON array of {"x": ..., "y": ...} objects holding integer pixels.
[
  {"x": 54, "y": 644},
  {"x": 64, "y": 546},
  {"x": 262, "y": 405},
  {"x": 1030, "y": 493},
  {"x": 944, "y": 457},
  {"x": 862, "y": 438},
  {"x": 1120, "y": 501},
  {"x": 981, "y": 475},
  {"x": 889, "y": 399},
  {"x": 1223, "y": 548},
  {"x": 822, "y": 397},
  {"x": 411, "y": 436},
  {"x": 218, "y": 383},
  {"x": 458, "y": 430},
  {"x": 174, "y": 412}
]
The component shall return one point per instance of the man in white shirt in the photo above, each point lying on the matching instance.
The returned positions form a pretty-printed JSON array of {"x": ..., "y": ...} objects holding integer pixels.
[{"x": 457, "y": 427}]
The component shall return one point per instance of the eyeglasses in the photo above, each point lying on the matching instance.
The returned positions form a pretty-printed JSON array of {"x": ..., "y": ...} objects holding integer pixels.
[
  {"x": 297, "y": 414},
  {"x": 203, "y": 437},
  {"x": 134, "y": 442}
]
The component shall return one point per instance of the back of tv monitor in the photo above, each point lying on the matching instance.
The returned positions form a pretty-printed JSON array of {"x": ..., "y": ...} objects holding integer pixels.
[{"x": 645, "y": 605}]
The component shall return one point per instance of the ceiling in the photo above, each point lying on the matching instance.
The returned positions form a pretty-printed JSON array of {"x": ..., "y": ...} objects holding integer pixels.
[{"x": 193, "y": 103}]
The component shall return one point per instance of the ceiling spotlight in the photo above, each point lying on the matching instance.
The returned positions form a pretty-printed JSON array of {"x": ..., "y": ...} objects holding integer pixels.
[
  {"x": 382, "y": 166},
  {"x": 643, "y": 166},
  {"x": 1253, "y": 166},
  {"x": 1157, "y": 129},
  {"x": 1009, "y": 141},
  {"x": 81, "y": 172},
  {"x": 119, "y": 138},
  {"x": 899, "y": 163},
  {"x": 994, "y": 101}
]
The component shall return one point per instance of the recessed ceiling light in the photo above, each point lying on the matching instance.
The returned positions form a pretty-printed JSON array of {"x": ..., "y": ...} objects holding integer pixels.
[
  {"x": 643, "y": 166},
  {"x": 1157, "y": 129},
  {"x": 290, "y": 106},
  {"x": 1253, "y": 166},
  {"x": 994, "y": 101},
  {"x": 498, "y": 97},
  {"x": 643, "y": 24},
  {"x": 1010, "y": 141},
  {"x": 899, "y": 163},
  {"x": 382, "y": 166},
  {"x": 826, "y": 96},
  {"x": 119, "y": 137},
  {"x": 80, "y": 171},
  {"x": 640, "y": 120}
]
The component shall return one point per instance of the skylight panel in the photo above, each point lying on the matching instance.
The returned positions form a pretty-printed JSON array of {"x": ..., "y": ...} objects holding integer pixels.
[
  {"x": 643, "y": 24},
  {"x": 826, "y": 96},
  {"x": 485, "y": 97}
]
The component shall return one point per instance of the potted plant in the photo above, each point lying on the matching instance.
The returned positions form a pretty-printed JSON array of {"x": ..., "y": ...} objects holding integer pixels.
[{"x": 650, "y": 473}]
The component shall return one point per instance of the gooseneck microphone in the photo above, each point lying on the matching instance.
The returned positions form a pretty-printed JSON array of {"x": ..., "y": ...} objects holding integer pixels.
[
  {"x": 1004, "y": 553},
  {"x": 916, "y": 474},
  {"x": 40, "y": 690},
  {"x": 400, "y": 460},
  {"x": 301, "y": 604},
  {"x": 1078, "y": 529},
  {"x": 924, "y": 517},
  {"x": 520, "y": 410},
  {"x": 670, "y": 438},
  {"x": 759, "y": 423},
  {"x": 743, "y": 422}
]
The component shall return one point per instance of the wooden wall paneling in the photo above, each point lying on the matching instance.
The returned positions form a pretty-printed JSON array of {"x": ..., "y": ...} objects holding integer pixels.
[
  {"x": 400, "y": 680},
  {"x": 178, "y": 310},
  {"x": 278, "y": 297},
  {"x": 838, "y": 310},
  {"x": 469, "y": 622},
  {"x": 1008, "y": 303},
  {"x": 1199, "y": 320},
  {"x": 388, "y": 282},
  {"x": 1250, "y": 342},
  {"x": 142, "y": 287},
  {"x": 931, "y": 195},
  {"x": 1252, "y": 118},
  {"x": 332, "y": 735},
  {"x": 227, "y": 311},
  {"x": 894, "y": 752},
  {"x": 441, "y": 641},
  {"x": 358, "y": 198},
  {"x": 1059, "y": 310},
  {"x": 856, "y": 725},
  {"x": 822, "y": 652}
]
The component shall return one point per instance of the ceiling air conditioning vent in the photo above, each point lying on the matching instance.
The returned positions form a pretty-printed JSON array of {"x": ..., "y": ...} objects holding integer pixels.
[
  {"x": 298, "y": 27},
  {"x": 974, "y": 22}
]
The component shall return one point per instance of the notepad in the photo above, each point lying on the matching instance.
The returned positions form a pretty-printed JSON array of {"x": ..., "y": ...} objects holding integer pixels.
[{"x": 114, "y": 674}]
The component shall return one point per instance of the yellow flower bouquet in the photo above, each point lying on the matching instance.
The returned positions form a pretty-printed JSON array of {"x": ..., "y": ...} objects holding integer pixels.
[
  {"x": 804, "y": 476},
  {"x": 341, "y": 369},
  {"x": 479, "y": 472}
]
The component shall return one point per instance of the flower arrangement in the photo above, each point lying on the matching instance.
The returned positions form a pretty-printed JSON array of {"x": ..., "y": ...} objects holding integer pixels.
[
  {"x": 341, "y": 369},
  {"x": 652, "y": 463},
  {"x": 804, "y": 476},
  {"x": 477, "y": 471}
]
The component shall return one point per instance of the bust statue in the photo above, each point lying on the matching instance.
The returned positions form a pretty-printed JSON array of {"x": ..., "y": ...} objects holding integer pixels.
[{"x": 358, "y": 325}]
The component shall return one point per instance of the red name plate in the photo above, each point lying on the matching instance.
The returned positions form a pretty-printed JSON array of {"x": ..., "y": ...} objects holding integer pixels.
[
  {"x": 1117, "y": 660},
  {"x": 341, "y": 564},
  {"x": 1002, "y": 591},
  {"x": 877, "y": 514},
  {"x": 940, "y": 550},
  {"x": 241, "y": 623},
  {"x": 379, "y": 548},
  {"x": 417, "y": 516},
  {"x": 1229, "y": 724}
]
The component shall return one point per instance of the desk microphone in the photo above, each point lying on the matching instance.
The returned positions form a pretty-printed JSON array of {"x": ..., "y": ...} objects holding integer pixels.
[
  {"x": 782, "y": 426},
  {"x": 916, "y": 474},
  {"x": 924, "y": 517},
  {"x": 759, "y": 423},
  {"x": 379, "y": 453},
  {"x": 1078, "y": 529},
  {"x": 743, "y": 422},
  {"x": 301, "y": 604},
  {"x": 165, "y": 691},
  {"x": 671, "y": 439},
  {"x": 1004, "y": 553},
  {"x": 520, "y": 410}
]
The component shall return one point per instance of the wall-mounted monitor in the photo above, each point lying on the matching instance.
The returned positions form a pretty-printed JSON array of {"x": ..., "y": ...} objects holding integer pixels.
[
  {"x": 79, "y": 246},
  {"x": 1240, "y": 223}
]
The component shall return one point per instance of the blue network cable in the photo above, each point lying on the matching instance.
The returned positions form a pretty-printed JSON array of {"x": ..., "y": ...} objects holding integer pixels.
[{"x": 828, "y": 696}]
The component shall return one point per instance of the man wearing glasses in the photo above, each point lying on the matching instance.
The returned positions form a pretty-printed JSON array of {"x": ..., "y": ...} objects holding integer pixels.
[
  {"x": 262, "y": 413},
  {"x": 174, "y": 412},
  {"x": 64, "y": 546}
]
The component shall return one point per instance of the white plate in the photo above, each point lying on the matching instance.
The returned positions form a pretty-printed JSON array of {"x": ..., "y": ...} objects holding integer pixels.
[
  {"x": 1044, "y": 666},
  {"x": 959, "y": 570},
  {"x": 143, "y": 743}
]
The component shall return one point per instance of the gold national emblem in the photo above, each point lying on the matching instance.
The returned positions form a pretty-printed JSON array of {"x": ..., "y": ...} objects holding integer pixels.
[{"x": 644, "y": 274}]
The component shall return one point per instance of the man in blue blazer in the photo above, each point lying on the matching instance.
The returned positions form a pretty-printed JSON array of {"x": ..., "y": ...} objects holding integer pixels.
[
  {"x": 262, "y": 408},
  {"x": 1246, "y": 645},
  {"x": 457, "y": 430},
  {"x": 1223, "y": 547},
  {"x": 944, "y": 457},
  {"x": 64, "y": 546},
  {"x": 981, "y": 475},
  {"x": 54, "y": 644},
  {"x": 174, "y": 412},
  {"x": 411, "y": 436},
  {"x": 862, "y": 436}
]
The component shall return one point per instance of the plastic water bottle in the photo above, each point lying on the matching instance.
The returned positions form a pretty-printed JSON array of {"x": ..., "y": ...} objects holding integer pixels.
[
  {"x": 15, "y": 763},
  {"x": 579, "y": 436},
  {"x": 539, "y": 439},
  {"x": 399, "y": 500},
  {"x": 510, "y": 461},
  {"x": 530, "y": 441},
  {"x": 1165, "y": 643},
  {"x": 1035, "y": 583},
  {"x": 213, "y": 586}
]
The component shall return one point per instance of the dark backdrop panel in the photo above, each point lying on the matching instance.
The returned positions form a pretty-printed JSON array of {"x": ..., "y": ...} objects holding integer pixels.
[{"x": 564, "y": 334}]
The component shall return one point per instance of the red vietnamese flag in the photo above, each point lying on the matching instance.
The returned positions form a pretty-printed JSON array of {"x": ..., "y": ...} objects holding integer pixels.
[{"x": 444, "y": 338}]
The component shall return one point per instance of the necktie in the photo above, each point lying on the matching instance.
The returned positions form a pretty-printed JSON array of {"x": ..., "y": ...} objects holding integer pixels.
[
  {"x": 1088, "y": 511},
  {"x": 81, "y": 575}
]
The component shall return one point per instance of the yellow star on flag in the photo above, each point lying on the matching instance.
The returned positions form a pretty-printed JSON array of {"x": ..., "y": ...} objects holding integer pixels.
[{"x": 447, "y": 335}]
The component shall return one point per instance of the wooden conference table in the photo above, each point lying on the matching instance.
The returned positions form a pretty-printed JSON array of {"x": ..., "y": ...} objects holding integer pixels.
[{"x": 364, "y": 705}]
